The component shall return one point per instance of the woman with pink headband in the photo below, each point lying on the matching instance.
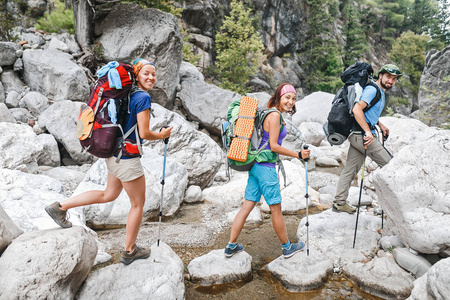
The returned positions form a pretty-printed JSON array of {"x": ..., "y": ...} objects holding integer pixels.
[{"x": 263, "y": 178}]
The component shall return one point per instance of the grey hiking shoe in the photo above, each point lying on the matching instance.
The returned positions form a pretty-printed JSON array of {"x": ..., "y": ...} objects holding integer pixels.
[
  {"x": 58, "y": 215},
  {"x": 229, "y": 252},
  {"x": 295, "y": 248},
  {"x": 344, "y": 208},
  {"x": 138, "y": 253}
]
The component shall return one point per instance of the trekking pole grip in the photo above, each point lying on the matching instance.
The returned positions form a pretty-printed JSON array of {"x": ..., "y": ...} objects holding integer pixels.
[
  {"x": 166, "y": 140},
  {"x": 306, "y": 148}
]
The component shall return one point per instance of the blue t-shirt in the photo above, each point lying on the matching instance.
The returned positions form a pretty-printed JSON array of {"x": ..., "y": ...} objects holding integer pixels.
[
  {"x": 139, "y": 102},
  {"x": 374, "y": 113}
]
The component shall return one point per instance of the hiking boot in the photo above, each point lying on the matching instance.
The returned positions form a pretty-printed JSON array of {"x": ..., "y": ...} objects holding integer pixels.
[
  {"x": 344, "y": 208},
  {"x": 295, "y": 248},
  {"x": 229, "y": 252},
  {"x": 58, "y": 215},
  {"x": 138, "y": 253}
]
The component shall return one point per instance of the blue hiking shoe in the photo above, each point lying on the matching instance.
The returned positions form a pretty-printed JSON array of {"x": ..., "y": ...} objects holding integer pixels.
[
  {"x": 229, "y": 252},
  {"x": 295, "y": 247}
]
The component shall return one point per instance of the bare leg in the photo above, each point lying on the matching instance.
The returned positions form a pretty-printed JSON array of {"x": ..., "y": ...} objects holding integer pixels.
[
  {"x": 278, "y": 223},
  {"x": 112, "y": 191},
  {"x": 240, "y": 218},
  {"x": 136, "y": 192}
]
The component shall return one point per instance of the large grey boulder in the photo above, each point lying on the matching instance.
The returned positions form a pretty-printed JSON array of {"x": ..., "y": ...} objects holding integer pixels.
[
  {"x": 5, "y": 114},
  {"x": 332, "y": 234},
  {"x": 196, "y": 151},
  {"x": 18, "y": 145},
  {"x": 35, "y": 102},
  {"x": 60, "y": 120},
  {"x": 434, "y": 284},
  {"x": 107, "y": 215},
  {"x": 54, "y": 74},
  {"x": 204, "y": 103},
  {"x": 24, "y": 197},
  {"x": 50, "y": 264},
  {"x": 8, "y": 230},
  {"x": 381, "y": 277},
  {"x": 2, "y": 91},
  {"x": 215, "y": 268},
  {"x": 50, "y": 155},
  {"x": 307, "y": 108},
  {"x": 434, "y": 99},
  {"x": 413, "y": 191},
  {"x": 127, "y": 34},
  {"x": 12, "y": 82},
  {"x": 8, "y": 53},
  {"x": 301, "y": 272},
  {"x": 158, "y": 277}
]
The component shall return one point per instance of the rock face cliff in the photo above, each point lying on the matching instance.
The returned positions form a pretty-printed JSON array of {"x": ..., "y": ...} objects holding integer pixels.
[{"x": 434, "y": 93}]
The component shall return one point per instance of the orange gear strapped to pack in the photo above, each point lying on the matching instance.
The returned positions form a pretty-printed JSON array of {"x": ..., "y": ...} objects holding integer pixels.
[{"x": 244, "y": 129}]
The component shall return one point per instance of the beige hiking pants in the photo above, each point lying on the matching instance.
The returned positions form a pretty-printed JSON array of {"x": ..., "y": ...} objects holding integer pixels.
[{"x": 355, "y": 159}]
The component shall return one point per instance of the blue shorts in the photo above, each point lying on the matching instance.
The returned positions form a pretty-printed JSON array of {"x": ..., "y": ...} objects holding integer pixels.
[{"x": 263, "y": 181}]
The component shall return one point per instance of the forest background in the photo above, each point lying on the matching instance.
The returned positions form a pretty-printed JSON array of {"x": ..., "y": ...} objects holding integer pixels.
[{"x": 336, "y": 34}]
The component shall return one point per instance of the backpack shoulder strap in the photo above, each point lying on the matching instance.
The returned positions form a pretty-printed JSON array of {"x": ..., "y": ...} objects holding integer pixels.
[
  {"x": 265, "y": 112},
  {"x": 375, "y": 99}
]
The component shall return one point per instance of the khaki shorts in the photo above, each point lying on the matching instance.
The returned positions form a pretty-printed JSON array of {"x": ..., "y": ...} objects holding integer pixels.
[{"x": 126, "y": 169}]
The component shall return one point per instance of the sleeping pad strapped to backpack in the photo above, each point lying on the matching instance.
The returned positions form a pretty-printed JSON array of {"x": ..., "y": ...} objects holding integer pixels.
[
  {"x": 99, "y": 125},
  {"x": 340, "y": 119},
  {"x": 242, "y": 134}
]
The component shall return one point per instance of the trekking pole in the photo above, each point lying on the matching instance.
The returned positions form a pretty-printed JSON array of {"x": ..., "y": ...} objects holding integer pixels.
[
  {"x": 385, "y": 137},
  {"x": 306, "y": 199},
  {"x": 166, "y": 141},
  {"x": 360, "y": 193}
]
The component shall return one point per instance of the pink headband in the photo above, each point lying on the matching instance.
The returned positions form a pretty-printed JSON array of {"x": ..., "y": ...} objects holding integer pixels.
[{"x": 287, "y": 89}]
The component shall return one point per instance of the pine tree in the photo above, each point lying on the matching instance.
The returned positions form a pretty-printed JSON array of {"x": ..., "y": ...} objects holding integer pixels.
[
  {"x": 356, "y": 43},
  {"x": 324, "y": 62},
  {"x": 239, "y": 48}
]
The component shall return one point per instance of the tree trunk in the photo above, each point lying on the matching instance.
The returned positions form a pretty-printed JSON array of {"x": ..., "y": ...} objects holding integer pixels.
[{"x": 84, "y": 26}]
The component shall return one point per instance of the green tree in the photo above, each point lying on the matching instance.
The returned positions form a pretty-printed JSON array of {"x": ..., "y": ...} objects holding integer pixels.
[
  {"x": 442, "y": 29},
  {"x": 390, "y": 17},
  {"x": 421, "y": 16},
  {"x": 239, "y": 48},
  {"x": 164, "y": 5},
  {"x": 324, "y": 61},
  {"x": 356, "y": 44},
  {"x": 408, "y": 52},
  {"x": 60, "y": 19}
]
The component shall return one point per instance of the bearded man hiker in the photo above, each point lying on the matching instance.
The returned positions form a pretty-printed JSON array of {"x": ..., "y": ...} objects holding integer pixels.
[{"x": 364, "y": 135}]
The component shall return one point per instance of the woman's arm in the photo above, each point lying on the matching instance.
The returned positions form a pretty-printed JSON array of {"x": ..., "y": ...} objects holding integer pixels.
[
  {"x": 272, "y": 126},
  {"x": 143, "y": 121}
]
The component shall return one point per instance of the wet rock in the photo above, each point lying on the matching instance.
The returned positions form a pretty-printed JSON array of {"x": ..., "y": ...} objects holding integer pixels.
[
  {"x": 301, "y": 272},
  {"x": 381, "y": 277},
  {"x": 215, "y": 268},
  {"x": 411, "y": 262}
]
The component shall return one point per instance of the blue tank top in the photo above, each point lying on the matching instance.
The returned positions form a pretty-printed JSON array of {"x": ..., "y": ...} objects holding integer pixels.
[{"x": 265, "y": 138}]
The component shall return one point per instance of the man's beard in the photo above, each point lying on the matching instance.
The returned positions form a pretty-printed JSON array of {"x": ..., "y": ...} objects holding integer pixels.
[{"x": 384, "y": 86}]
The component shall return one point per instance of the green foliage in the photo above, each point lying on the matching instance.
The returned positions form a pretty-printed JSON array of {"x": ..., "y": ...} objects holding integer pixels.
[
  {"x": 239, "y": 48},
  {"x": 163, "y": 5},
  {"x": 6, "y": 22},
  {"x": 441, "y": 31},
  {"x": 408, "y": 52},
  {"x": 356, "y": 44},
  {"x": 186, "y": 49},
  {"x": 60, "y": 19},
  {"x": 324, "y": 62}
]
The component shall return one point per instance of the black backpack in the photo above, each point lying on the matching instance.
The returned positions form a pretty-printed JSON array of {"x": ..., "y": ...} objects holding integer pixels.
[{"x": 340, "y": 119}]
